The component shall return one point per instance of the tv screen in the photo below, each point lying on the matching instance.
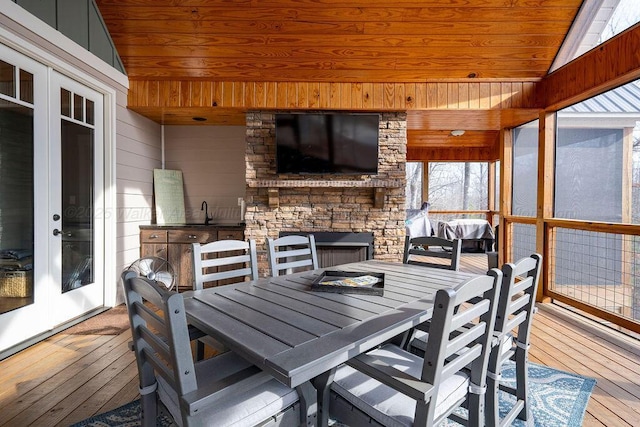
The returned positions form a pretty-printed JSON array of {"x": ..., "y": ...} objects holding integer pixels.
[{"x": 332, "y": 143}]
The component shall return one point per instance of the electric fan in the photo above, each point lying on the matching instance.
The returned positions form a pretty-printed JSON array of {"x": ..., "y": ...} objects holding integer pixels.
[{"x": 156, "y": 269}]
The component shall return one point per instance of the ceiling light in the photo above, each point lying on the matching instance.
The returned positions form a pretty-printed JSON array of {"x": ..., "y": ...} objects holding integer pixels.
[{"x": 457, "y": 132}]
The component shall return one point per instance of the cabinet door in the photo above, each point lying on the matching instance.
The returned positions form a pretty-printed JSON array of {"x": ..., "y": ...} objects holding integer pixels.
[
  {"x": 181, "y": 259},
  {"x": 153, "y": 249},
  {"x": 229, "y": 234},
  {"x": 180, "y": 253}
]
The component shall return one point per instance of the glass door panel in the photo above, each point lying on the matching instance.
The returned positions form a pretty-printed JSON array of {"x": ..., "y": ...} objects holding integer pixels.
[
  {"x": 25, "y": 291},
  {"x": 16, "y": 206},
  {"x": 76, "y": 176},
  {"x": 77, "y": 206}
]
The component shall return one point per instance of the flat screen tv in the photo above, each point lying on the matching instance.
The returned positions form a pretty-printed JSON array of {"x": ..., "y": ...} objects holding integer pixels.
[{"x": 330, "y": 143}]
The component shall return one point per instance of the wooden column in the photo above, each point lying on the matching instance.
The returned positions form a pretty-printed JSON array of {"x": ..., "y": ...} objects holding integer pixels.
[
  {"x": 425, "y": 182},
  {"x": 505, "y": 234},
  {"x": 627, "y": 218},
  {"x": 545, "y": 239},
  {"x": 491, "y": 190}
]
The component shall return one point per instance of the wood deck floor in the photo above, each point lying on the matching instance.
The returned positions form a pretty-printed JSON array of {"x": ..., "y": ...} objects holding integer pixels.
[{"x": 72, "y": 376}]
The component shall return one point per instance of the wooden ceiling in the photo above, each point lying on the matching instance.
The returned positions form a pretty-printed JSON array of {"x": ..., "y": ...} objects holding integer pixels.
[{"x": 403, "y": 41}]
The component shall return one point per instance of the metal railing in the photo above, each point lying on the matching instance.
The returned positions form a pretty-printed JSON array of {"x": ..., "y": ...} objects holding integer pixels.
[{"x": 592, "y": 266}]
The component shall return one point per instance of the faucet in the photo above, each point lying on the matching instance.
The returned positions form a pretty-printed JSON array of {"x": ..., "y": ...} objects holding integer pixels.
[{"x": 205, "y": 208}]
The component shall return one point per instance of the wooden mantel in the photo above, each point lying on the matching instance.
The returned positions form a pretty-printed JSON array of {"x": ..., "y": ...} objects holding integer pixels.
[{"x": 379, "y": 187}]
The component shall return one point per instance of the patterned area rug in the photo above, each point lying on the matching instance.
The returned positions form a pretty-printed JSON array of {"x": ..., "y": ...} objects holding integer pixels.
[{"x": 558, "y": 398}]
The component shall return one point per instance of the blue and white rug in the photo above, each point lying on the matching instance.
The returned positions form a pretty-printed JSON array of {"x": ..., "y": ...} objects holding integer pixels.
[{"x": 558, "y": 399}]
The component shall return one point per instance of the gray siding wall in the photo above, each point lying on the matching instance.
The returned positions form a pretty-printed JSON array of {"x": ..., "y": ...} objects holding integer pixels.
[
  {"x": 138, "y": 152},
  {"x": 79, "y": 20}
]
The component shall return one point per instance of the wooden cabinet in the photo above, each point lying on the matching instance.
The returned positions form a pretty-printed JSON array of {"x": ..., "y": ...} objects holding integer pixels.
[
  {"x": 173, "y": 243},
  {"x": 230, "y": 234},
  {"x": 153, "y": 243}
]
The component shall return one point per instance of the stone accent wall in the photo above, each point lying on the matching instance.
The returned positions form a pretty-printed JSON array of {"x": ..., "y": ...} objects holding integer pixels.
[{"x": 314, "y": 204}]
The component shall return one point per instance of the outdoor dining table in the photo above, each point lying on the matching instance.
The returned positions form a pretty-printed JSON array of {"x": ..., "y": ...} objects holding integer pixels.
[{"x": 300, "y": 336}]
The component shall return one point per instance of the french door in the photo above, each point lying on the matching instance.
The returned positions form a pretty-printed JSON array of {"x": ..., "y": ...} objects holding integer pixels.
[
  {"x": 51, "y": 215},
  {"x": 76, "y": 211}
]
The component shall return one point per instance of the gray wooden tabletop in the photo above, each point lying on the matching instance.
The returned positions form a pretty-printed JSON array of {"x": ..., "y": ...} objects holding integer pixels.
[{"x": 295, "y": 334}]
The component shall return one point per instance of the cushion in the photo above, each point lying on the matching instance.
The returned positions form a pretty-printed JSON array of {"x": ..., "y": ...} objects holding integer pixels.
[
  {"x": 383, "y": 403},
  {"x": 245, "y": 409}
]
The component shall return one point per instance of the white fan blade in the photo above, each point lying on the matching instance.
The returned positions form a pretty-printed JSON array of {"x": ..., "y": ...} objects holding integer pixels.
[
  {"x": 145, "y": 266},
  {"x": 165, "y": 278}
]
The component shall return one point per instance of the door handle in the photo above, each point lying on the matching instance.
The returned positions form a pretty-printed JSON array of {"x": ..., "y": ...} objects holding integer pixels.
[{"x": 57, "y": 232}]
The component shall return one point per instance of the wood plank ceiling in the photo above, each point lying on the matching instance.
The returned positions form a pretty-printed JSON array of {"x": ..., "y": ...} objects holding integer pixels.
[{"x": 337, "y": 41}]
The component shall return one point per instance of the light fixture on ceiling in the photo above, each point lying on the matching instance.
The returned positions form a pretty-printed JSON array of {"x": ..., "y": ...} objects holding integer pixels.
[{"x": 457, "y": 132}]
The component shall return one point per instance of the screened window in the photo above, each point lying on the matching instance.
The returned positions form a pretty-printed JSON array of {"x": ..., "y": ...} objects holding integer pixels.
[
  {"x": 458, "y": 186},
  {"x": 414, "y": 185},
  {"x": 597, "y": 158},
  {"x": 525, "y": 169},
  {"x": 604, "y": 20}
]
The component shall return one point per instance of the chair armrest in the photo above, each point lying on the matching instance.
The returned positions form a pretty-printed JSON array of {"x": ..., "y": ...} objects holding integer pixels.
[
  {"x": 235, "y": 384},
  {"x": 392, "y": 377}
]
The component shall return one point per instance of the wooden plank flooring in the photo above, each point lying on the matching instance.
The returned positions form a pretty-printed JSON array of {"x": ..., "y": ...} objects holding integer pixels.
[{"x": 69, "y": 377}]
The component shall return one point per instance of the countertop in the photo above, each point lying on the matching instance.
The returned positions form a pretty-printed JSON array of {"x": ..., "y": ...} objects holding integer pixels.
[{"x": 240, "y": 225}]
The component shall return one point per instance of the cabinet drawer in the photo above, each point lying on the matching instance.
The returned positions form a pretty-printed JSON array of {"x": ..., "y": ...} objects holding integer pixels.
[
  {"x": 191, "y": 236},
  {"x": 153, "y": 236},
  {"x": 230, "y": 235}
]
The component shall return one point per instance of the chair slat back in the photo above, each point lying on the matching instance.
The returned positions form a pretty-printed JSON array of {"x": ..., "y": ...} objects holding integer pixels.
[
  {"x": 461, "y": 328},
  {"x": 224, "y": 259},
  {"x": 289, "y": 254},
  {"x": 160, "y": 335},
  {"x": 519, "y": 287},
  {"x": 417, "y": 250}
]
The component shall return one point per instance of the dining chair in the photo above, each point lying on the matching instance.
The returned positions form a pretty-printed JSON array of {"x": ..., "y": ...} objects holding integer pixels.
[
  {"x": 513, "y": 327},
  {"x": 416, "y": 249},
  {"x": 394, "y": 387},
  {"x": 222, "y": 391},
  {"x": 291, "y": 254},
  {"x": 512, "y": 338},
  {"x": 224, "y": 262},
  {"x": 229, "y": 260}
]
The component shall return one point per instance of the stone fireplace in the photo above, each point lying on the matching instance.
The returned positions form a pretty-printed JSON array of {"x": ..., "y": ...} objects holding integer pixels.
[
  {"x": 339, "y": 247},
  {"x": 281, "y": 204}
]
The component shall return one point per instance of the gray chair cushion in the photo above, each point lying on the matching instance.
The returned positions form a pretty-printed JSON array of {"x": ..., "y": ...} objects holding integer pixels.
[
  {"x": 390, "y": 407},
  {"x": 246, "y": 409}
]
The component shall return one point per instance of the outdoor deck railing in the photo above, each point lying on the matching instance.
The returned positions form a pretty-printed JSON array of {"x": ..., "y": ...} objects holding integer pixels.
[{"x": 592, "y": 266}]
